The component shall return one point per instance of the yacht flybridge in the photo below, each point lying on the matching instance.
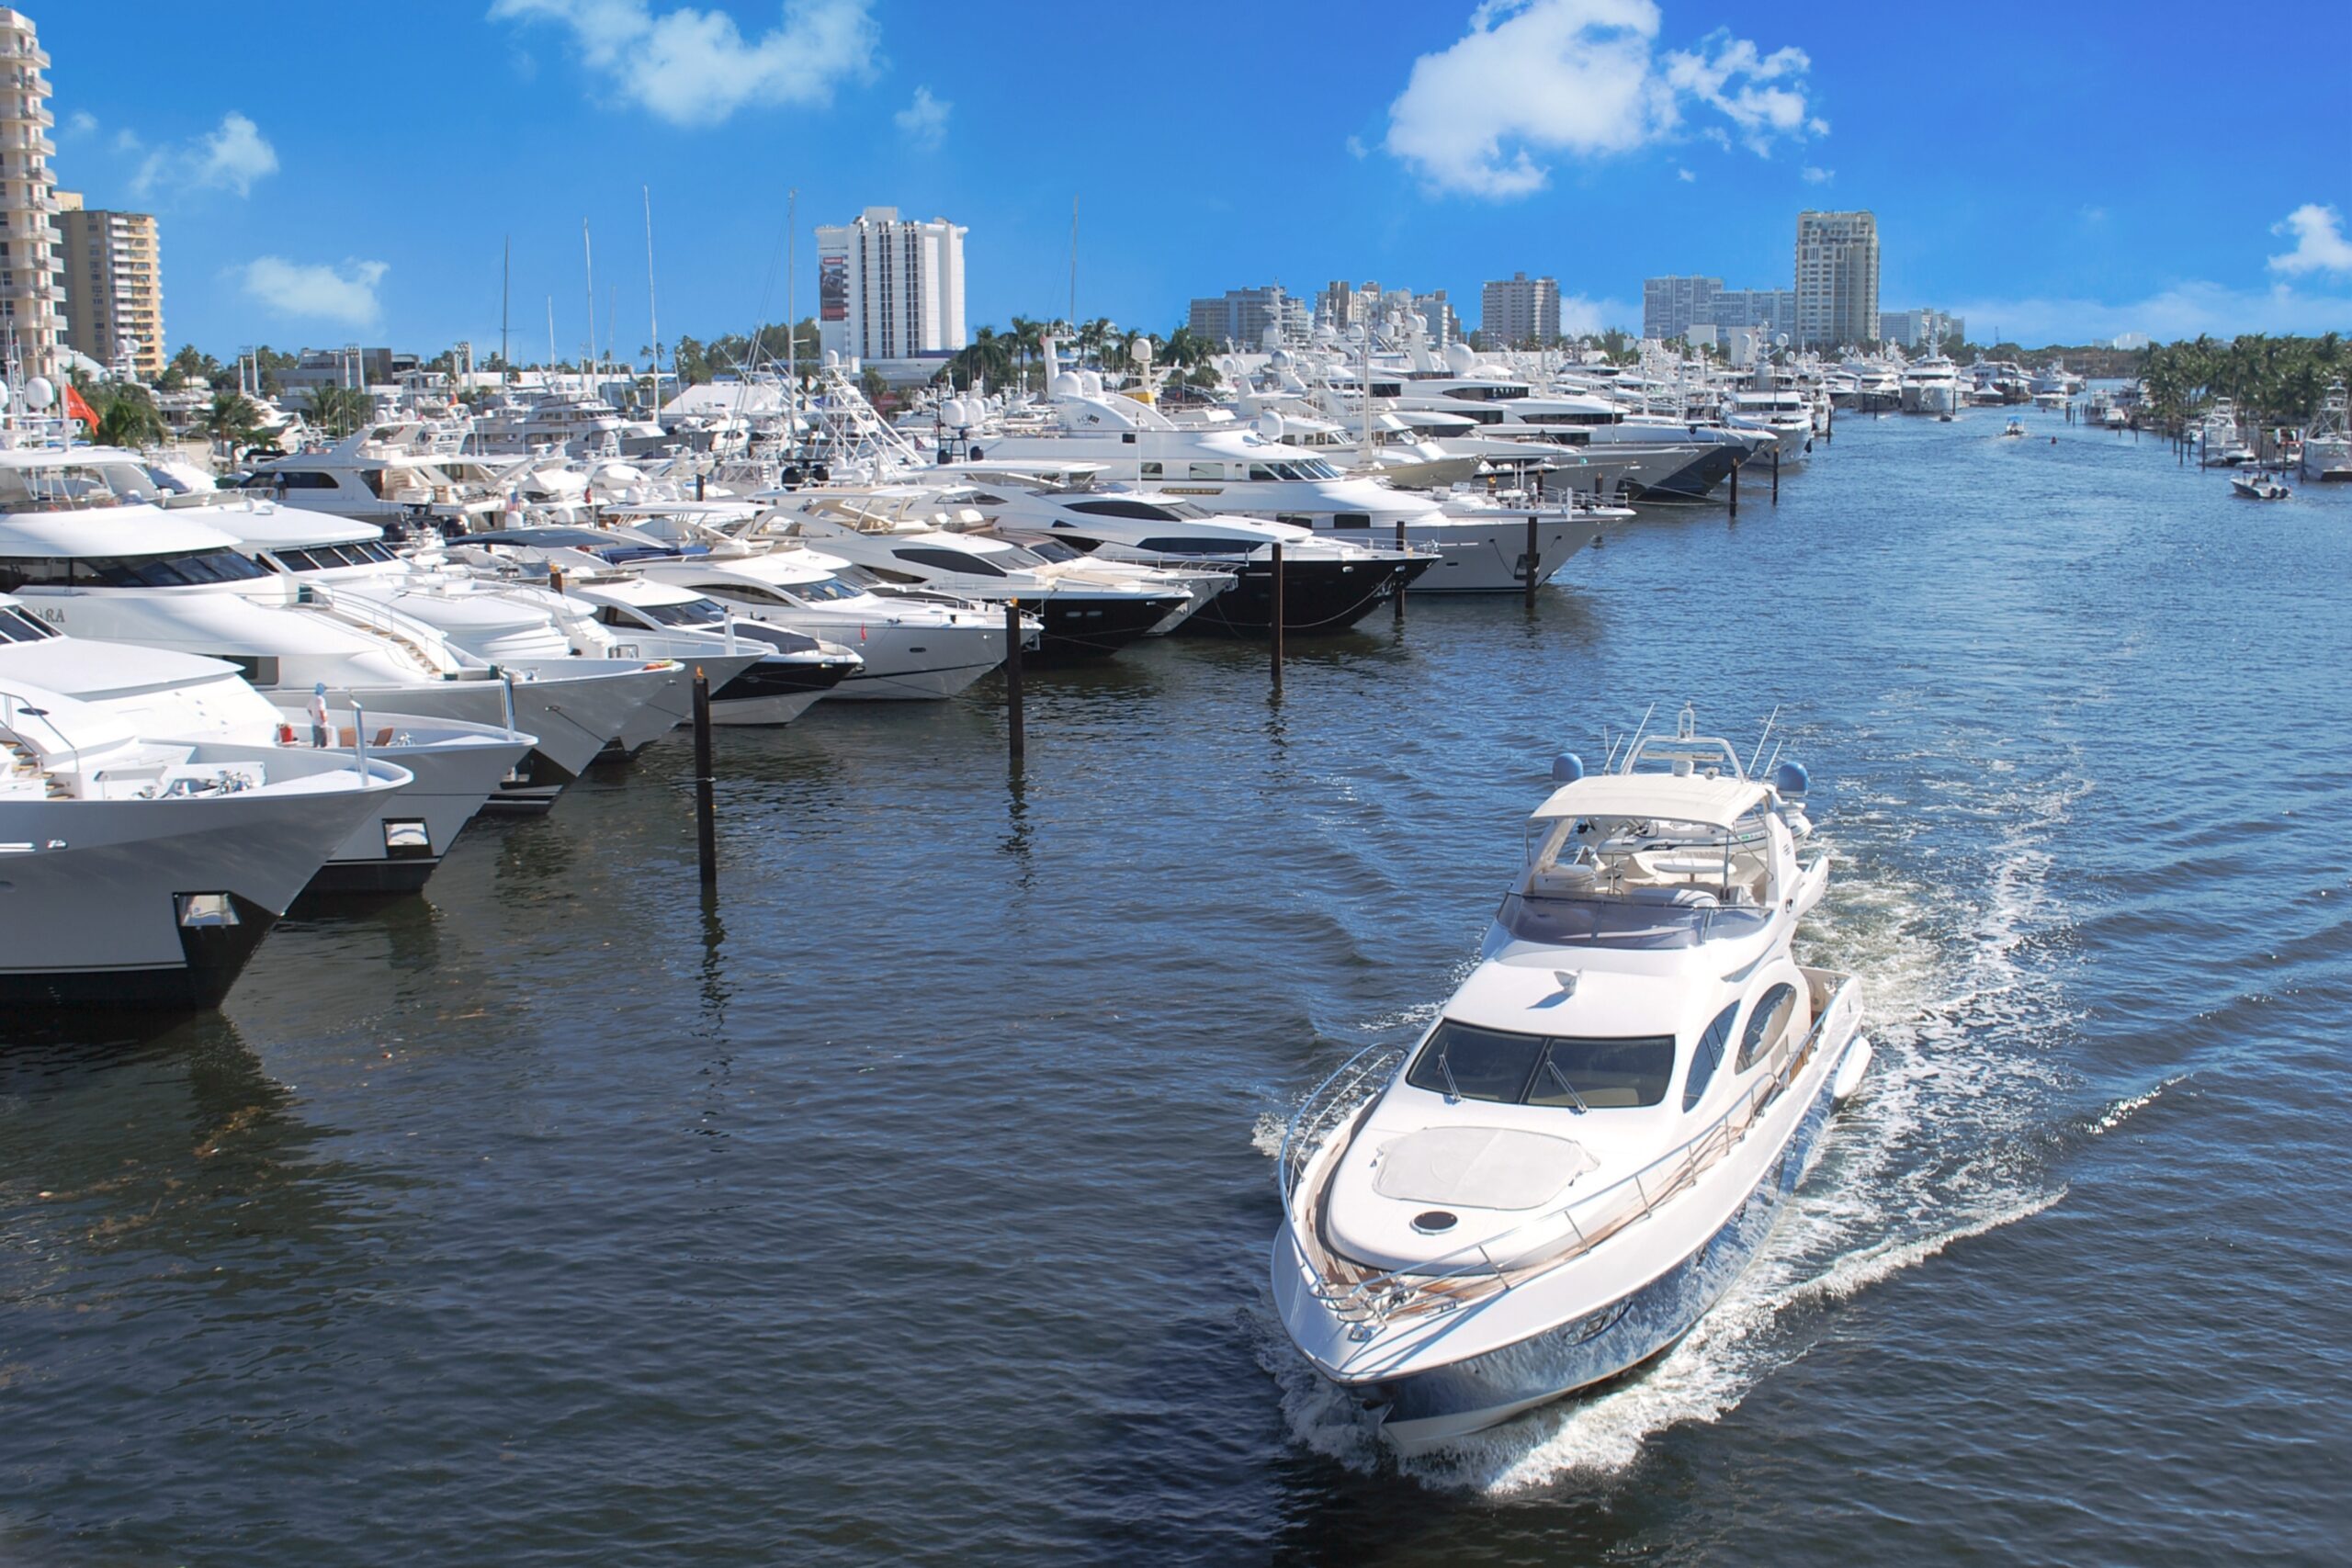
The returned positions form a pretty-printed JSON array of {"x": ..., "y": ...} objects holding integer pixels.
[{"x": 1593, "y": 1141}]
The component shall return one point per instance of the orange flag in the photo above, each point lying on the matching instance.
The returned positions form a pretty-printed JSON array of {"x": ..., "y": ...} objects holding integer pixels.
[{"x": 76, "y": 409}]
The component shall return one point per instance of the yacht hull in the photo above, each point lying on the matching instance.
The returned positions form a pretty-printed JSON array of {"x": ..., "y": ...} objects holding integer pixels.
[
  {"x": 1695, "y": 481},
  {"x": 1487, "y": 558},
  {"x": 91, "y": 906},
  {"x": 1079, "y": 629},
  {"x": 1321, "y": 596}
]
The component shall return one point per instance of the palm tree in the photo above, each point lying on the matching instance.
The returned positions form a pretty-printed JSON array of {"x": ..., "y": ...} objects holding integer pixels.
[
  {"x": 231, "y": 419},
  {"x": 339, "y": 410},
  {"x": 127, "y": 418},
  {"x": 1028, "y": 343}
]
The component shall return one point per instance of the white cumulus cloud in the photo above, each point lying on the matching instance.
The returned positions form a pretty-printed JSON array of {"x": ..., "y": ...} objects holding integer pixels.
[
  {"x": 2319, "y": 244},
  {"x": 1583, "y": 317},
  {"x": 81, "y": 122},
  {"x": 924, "y": 121},
  {"x": 1686, "y": 177},
  {"x": 231, "y": 157},
  {"x": 1581, "y": 78},
  {"x": 345, "y": 294},
  {"x": 1818, "y": 177},
  {"x": 694, "y": 67}
]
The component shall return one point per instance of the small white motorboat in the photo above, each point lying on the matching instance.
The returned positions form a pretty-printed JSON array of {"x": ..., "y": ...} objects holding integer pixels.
[
  {"x": 2258, "y": 487},
  {"x": 2012, "y": 428}
]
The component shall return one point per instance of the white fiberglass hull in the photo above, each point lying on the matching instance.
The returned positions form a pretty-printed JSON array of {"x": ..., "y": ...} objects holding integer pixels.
[{"x": 94, "y": 894}]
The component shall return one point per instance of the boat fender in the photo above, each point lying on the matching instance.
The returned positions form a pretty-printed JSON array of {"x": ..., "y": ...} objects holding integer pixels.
[{"x": 1851, "y": 1071}]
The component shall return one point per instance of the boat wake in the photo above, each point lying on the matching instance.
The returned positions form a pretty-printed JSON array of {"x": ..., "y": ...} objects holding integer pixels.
[{"x": 1948, "y": 1140}]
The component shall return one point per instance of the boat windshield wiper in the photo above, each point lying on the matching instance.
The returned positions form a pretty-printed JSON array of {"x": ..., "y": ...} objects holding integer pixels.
[
  {"x": 1575, "y": 1099},
  {"x": 1452, "y": 1089}
]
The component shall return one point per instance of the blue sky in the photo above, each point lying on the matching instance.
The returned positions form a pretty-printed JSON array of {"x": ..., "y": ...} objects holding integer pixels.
[{"x": 328, "y": 173}]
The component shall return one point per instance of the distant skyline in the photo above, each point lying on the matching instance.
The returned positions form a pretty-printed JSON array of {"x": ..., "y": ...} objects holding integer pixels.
[{"x": 2052, "y": 173}]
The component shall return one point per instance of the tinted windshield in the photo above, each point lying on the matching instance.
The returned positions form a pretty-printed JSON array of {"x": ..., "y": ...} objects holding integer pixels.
[
  {"x": 131, "y": 571},
  {"x": 62, "y": 486},
  {"x": 1509, "y": 1068}
]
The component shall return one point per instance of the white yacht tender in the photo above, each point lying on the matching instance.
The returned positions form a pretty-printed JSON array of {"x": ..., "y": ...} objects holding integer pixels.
[{"x": 1592, "y": 1142}]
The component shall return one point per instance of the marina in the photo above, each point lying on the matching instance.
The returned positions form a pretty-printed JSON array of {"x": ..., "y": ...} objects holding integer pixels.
[
  {"x": 1395, "y": 924},
  {"x": 560, "y": 1136}
]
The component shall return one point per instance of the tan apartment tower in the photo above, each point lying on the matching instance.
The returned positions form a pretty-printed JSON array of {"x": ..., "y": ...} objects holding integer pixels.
[
  {"x": 1837, "y": 280},
  {"x": 114, "y": 286},
  {"x": 31, "y": 317}
]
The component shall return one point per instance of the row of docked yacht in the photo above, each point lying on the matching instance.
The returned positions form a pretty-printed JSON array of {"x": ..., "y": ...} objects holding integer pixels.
[{"x": 425, "y": 628}]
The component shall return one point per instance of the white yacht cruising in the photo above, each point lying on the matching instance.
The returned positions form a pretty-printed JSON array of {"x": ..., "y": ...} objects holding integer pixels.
[
  {"x": 137, "y": 872},
  {"x": 2327, "y": 444},
  {"x": 1589, "y": 1145}
]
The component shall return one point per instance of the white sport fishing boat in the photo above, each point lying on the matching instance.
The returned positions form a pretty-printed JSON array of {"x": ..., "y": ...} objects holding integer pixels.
[
  {"x": 142, "y": 874},
  {"x": 1593, "y": 1141}
]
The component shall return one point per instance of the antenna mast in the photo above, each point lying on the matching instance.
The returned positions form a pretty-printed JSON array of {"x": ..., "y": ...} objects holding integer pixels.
[
  {"x": 588, "y": 256},
  {"x": 505, "y": 300},
  {"x": 652, "y": 311}
]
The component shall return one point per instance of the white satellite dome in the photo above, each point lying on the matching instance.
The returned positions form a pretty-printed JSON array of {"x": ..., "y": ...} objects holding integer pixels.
[
  {"x": 1093, "y": 380},
  {"x": 1271, "y": 425},
  {"x": 40, "y": 393},
  {"x": 1068, "y": 384}
]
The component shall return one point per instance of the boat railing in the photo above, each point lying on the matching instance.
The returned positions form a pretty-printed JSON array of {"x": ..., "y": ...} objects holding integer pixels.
[{"x": 1368, "y": 1301}]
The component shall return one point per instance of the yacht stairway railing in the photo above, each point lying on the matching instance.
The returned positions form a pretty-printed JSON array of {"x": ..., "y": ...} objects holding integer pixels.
[
  {"x": 1367, "y": 1299},
  {"x": 381, "y": 620}
]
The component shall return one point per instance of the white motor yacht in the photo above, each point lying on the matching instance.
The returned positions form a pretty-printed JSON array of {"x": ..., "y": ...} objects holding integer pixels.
[
  {"x": 85, "y": 546},
  {"x": 1593, "y": 1141},
  {"x": 912, "y": 649},
  {"x": 136, "y": 873},
  {"x": 890, "y": 532},
  {"x": 455, "y": 767},
  {"x": 1328, "y": 584},
  {"x": 789, "y": 671}
]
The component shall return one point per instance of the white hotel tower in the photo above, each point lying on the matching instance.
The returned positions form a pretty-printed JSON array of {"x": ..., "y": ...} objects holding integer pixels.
[
  {"x": 32, "y": 300},
  {"x": 889, "y": 287}
]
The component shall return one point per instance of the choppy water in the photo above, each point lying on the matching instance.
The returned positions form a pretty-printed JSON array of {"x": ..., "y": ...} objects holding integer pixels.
[{"x": 913, "y": 1204}]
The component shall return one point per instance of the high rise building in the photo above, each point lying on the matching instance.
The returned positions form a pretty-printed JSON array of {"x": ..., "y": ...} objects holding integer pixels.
[
  {"x": 1837, "y": 280},
  {"x": 1672, "y": 306},
  {"x": 1444, "y": 327},
  {"x": 1337, "y": 307},
  {"x": 889, "y": 287},
  {"x": 1772, "y": 312},
  {"x": 1238, "y": 316},
  {"x": 30, "y": 297},
  {"x": 114, "y": 287},
  {"x": 1520, "y": 312}
]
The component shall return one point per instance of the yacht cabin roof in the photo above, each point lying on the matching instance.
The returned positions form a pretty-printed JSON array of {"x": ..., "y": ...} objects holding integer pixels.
[{"x": 1717, "y": 802}]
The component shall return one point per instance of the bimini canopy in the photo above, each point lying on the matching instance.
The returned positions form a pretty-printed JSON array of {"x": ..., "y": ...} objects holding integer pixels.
[{"x": 1718, "y": 802}]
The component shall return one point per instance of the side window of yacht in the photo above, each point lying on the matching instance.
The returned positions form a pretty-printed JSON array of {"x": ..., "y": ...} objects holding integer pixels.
[
  {"x": 1708, "y": 1057},
  {"x": 1205, "y": 470},
  {"x": 946, "y": 561},
  {"x": 744, "y": 591},
  {"x": 1151, "y": 470},
  {"x": 1765, "y": 1024}
]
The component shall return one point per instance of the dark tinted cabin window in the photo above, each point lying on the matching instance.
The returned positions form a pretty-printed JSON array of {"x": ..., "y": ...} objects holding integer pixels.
[
  {"x": 1534, "y": 1069},
  {"x": 1708, "y": 1057},
  {"x": 946, "y": 561},
  {"x": 1765, "y": 1024}
]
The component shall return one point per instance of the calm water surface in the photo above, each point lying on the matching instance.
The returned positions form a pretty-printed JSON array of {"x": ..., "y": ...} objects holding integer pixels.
[{"x": 912, "y": 1203}]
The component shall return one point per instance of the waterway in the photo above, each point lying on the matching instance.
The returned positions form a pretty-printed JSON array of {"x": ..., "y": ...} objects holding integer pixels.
[{"x": 911, "y": 1203}]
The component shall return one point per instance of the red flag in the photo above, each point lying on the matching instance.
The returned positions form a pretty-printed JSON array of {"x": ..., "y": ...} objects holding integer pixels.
[{"x": 75, "y": 408}]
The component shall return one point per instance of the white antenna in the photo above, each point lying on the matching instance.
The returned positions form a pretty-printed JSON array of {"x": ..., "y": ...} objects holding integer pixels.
[
  {"x": 652, "y": 313},
  {"x": 1638, "y": 733},
  {"x": 588, "y": 257},
  {"x": 1759, "y": 741}
]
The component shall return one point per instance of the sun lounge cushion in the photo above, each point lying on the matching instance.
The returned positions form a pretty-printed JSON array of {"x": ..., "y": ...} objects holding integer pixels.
[{"x": 1478, "y": 1168}]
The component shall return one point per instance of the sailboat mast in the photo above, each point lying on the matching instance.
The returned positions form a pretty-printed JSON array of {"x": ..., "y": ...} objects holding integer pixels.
[
  {"x": 791, "y": 311},
  {"x": 505, "y": 303}
]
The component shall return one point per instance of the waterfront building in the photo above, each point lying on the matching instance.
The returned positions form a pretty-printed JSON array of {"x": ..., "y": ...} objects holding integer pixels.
[
  {"x": 1920, "y": 329},
  {"x": 1672, "y": 306},
  {"x": 1772, "y": 312},
  {"x": 1837, "y": 280},
  {"x": 114, "y": 286},
  {"x": 889, "y": 287},
  {"x": 1520, "y": 312},
  {"x": 1338, "y": 306},
  {"x": 31, "y": 299},
  {"x": 1444, "y": 328},
  {"x": 1238, "y": 315}
]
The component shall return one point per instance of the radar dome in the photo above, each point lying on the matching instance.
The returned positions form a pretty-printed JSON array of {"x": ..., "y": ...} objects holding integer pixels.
[
  {"x": 1271, "y": 425},
  {"x": 39, "y": 393},
  {"x": 1068, "y": 385},
  {"x": 1139, "y": 349}
]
